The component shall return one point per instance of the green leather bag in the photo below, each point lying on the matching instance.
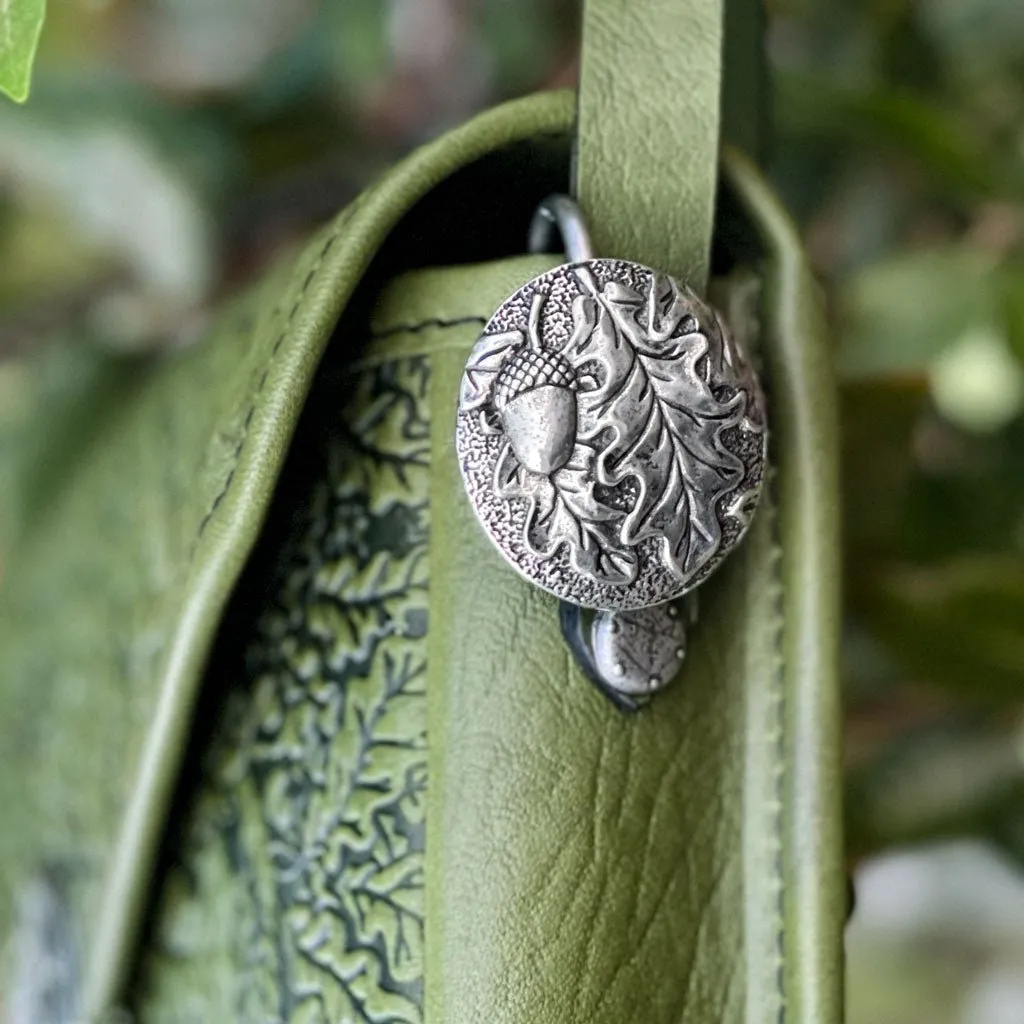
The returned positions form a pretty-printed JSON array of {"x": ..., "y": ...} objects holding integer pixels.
[{"x": 285, "y": 740}]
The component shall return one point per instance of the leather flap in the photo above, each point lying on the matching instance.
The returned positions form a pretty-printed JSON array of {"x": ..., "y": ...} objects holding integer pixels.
[{"x": 138, "y": 511}]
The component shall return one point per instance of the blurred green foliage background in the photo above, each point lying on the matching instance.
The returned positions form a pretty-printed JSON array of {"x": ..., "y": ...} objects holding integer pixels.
[{"x": 170, "y": 148}]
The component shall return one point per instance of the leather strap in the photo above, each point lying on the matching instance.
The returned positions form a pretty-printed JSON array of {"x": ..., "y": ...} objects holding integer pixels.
[
  {"x": 584, "y": 865},
  {"x": 648, "y": 130}
]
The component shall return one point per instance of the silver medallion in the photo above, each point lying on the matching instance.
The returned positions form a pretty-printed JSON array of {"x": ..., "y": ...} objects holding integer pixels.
[{"x": 611, "y": 435}]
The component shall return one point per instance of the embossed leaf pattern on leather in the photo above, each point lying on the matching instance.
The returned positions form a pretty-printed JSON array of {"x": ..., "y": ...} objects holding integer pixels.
[
  {"x": 300, "y": 882},
  {"x": 671, "y": 444}
]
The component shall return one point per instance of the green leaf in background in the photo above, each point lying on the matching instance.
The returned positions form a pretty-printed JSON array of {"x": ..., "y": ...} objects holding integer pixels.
[
  {"x": 944, "y": 314},
  {"x": 959, "y": 624},
  {"x": 901, "y": 311},
  {"x": 878, "y": 419},
  {"x": 896, "y": 122},
  {"x": 977, "y": 383},
  {"x": 944, "y": 778},
  {"x": 21, "y": 22},
  {"x": 1012, "y": 293}
]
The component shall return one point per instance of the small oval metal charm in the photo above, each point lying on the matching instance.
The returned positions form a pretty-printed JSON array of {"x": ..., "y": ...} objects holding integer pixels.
[{"x": 610, "y": 432}]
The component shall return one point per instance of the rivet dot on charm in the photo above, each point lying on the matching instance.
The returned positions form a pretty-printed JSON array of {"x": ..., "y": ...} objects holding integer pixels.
[
  {"x": 611, "y": 435},
  {"x": 638, "y": 652}
]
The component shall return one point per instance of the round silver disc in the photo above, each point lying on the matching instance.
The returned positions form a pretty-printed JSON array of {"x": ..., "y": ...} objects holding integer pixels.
[{"x": 611, "y": 435}]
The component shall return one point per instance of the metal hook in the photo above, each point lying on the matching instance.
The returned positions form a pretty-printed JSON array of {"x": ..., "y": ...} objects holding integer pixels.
[{"x": 559, "y": 213}]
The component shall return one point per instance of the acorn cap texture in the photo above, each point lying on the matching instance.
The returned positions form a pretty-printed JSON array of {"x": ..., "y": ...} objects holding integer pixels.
[{"x": 529, "y": 369}]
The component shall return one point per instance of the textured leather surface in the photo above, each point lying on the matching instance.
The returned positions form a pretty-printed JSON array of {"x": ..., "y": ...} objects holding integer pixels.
[
  {"x": 804, "y": 414},
  {"x": 294, "y": 887},
  {"x": 296, "y": 882},
  {"x": 681, "y": 865},
  {"x": 140, "y": 518},
  {"x": 648, "y": 130}
]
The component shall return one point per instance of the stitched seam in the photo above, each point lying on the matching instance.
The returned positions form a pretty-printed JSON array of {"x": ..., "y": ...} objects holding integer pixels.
[
  {"x": 413, "y": 328},
  {"x": 780, "y": 747},
  {"x": 548, "y": 135},
  {"x": 310, "y": 277},
  {"x": 422, "y": 325}
]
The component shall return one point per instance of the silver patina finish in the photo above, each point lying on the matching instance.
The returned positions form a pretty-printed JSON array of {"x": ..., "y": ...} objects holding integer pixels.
[
  {"x": 640, "y": 651},
  {"x": 611, "y": 434}
]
